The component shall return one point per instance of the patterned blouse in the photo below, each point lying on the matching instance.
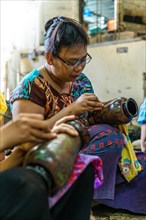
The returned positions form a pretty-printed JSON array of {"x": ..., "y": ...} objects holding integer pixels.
[{"x": 35, "y": 88}]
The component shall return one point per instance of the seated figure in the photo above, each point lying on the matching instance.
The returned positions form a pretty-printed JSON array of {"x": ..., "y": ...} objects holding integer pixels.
[
  {"x": 60, "y": 88},
  {"x": 25, "y": 190}
]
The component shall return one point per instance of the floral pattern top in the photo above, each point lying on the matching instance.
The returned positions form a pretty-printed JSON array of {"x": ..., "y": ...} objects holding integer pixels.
[{"x": 35, "y": 88}]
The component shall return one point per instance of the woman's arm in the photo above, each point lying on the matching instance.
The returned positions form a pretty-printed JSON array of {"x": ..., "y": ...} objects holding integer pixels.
[
  {"x": 26, "y": 106},
  {"x": 85, "y": 103}
]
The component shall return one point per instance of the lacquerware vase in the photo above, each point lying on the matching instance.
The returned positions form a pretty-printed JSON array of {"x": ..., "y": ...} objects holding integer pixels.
[
  {"x": 58, "y": 155},
  {"x": 118, "y": 111}
]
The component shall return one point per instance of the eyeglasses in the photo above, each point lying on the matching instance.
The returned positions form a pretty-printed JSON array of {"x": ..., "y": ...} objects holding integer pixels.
[{"x": 74, "y": 64}]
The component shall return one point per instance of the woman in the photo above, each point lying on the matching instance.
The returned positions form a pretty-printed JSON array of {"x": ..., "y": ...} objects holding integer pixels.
[
  {"x": 60, "y": 88},
  {"x": 24, "y": 194}
]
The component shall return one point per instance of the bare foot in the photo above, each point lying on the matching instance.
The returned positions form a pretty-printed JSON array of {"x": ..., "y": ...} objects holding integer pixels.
[{"x": 92, "y": 217}]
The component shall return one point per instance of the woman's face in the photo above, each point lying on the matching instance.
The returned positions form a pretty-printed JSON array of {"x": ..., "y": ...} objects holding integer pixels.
[{"x": 63, "y": 67}]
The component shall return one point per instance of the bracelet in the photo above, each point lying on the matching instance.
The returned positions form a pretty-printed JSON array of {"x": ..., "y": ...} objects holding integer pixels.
[{"x": 43, "y": 173}]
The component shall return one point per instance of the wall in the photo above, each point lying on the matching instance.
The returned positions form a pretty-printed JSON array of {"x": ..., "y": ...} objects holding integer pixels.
[
  {"x": 52, "y": 8},
  {"x": 26, "y": 34},
  {"x": 118, "y": 74},
  {"x": 113, "y": 74},
  {"x": 136, "y": 10}
]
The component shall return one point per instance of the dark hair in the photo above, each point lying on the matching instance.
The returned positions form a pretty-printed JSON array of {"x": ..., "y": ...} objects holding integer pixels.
[{"x": 63, "y": 32}]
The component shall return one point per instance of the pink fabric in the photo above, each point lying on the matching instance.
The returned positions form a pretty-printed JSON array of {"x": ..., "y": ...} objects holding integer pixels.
[{"x": 80, "y": 165}]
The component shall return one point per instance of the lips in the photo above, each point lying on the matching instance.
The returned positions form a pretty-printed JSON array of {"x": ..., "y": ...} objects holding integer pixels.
[{"x": 74, "y": 76}]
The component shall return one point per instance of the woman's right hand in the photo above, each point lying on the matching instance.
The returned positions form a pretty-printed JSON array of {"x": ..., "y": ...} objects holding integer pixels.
[{"x": 87, "y": 102}]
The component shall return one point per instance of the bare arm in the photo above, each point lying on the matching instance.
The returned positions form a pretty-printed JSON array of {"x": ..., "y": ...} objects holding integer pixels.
[
  {"x": 26, "y": 106},
  {"x": 1, "y": 122},
  {"x": 29, "y": 127},
  {"x": 143, "y": 137},
  {"x": 25, "y": 128},
  {"x": 14, "y": 160},
  {"x": 86, "y": 102}
]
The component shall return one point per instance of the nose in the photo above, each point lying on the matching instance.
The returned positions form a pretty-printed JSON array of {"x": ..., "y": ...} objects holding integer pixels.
[{"x": 79, "y": 67}]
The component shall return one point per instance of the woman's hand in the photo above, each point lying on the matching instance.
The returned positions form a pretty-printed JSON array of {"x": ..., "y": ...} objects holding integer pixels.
[{"x": 87, "y": 102}]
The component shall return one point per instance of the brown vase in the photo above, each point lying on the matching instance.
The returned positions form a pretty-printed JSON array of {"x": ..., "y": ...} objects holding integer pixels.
[
  {"x": 58, "y": 156},
  {"x": 118, "y": 111}
]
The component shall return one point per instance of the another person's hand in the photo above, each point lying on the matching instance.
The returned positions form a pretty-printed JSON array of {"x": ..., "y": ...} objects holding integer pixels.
[
  {"x": 87, "y": 102},
  {"x": 61, "y": 126},
  {"x": 29, "y": 129},
  {"x": 25, "y": 128}
]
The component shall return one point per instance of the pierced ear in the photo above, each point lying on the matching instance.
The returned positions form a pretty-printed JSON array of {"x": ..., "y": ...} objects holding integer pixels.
[{"x": 49, "y": 58}]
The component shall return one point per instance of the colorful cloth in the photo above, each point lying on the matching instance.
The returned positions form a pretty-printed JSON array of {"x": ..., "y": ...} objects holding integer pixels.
[
  {"x": 128, "y": 162},
  {"x": 142, "y": 113},
  {"x": 3, "y": 105},
  {"x": 80, "y": 165},
  {"x": 107, "y": 142},
  {"x": 131, "y": 195}
]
